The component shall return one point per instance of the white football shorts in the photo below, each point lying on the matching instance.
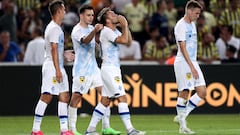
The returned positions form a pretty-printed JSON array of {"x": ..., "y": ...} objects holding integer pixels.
[
  {"x": 83, "y": 84},
  {"x": 184, "y": 76},
  {"x": 49, "y": 82},
  {"x": 112, "y": 82}
]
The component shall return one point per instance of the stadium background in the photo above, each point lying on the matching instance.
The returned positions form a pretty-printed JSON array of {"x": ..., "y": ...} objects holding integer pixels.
[{"x": 151, "y": 89}]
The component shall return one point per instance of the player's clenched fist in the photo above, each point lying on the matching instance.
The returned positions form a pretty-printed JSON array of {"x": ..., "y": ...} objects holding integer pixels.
[{"x": 98, "y": 27}]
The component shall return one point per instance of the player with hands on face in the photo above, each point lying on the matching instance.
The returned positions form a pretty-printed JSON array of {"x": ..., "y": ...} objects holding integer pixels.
[{"x": 113, "y": 88}]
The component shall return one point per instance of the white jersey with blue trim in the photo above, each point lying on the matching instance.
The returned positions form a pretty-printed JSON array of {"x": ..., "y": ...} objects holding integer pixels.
[
  {"x": 54, "y": 34},
  {"x": 110, "y": 50},
  {"x": 85, "y": 61},
  {"x": 186, "y": 32}
]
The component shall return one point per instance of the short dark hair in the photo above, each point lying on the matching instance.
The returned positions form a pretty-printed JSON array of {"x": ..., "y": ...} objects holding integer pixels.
[
  {"x": 193, "y": 4},
  {"x": 229, "y": 28},
  {"x": 84, "y": 7},
  {"x": 102, "y": 15},
  {"x": 38, "y": 31},
  {"x": 54, "y": 6}
]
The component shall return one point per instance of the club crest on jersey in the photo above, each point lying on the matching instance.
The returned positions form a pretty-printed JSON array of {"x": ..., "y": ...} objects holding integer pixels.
[
  {"x": 81, "y": 88},
  {"x": 120, "y": 88},
  {"x": 62, "y": 41},
  {"x": 189, "y": 84},
  {"x": 54, "y": 80},
  {"x": 82, "y": 79},
  {"x": 117, "y": 79},
  {"x": 188, "y": 76}
]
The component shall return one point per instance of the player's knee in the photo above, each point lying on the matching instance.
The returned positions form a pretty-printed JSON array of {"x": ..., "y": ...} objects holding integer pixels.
[
  {"x": 201, "y": 91},
  {"x": 202, "y": 94},
  {"x": 64, "y": 97},
  {"x": 122, "y": 98},
  {"x": 184, "y": 93},
  {"x": 46, "y": 97},
  {"x": 75, "y": 99},
  {"x": 105, "y": 101}
]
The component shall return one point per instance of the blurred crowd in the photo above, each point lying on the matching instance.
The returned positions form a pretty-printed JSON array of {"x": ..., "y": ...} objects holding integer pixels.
[{"x": 22, "y": 23}]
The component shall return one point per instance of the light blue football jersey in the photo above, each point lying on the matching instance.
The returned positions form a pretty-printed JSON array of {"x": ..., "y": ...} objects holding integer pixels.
[
  {"x": 54, "y": 34},
  {"x": 186, "y": 32},
  {"x": 110, "y": 50},
  {"x": 85, "y": 62}
]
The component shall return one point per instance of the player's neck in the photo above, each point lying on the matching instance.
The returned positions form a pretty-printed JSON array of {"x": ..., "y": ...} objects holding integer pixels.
[
  {"x": 83, "y": 24},
  {"x": 187, "y": 19},
  {"x": 111, "y": 26},
  {"x": 57, "y": 20}
]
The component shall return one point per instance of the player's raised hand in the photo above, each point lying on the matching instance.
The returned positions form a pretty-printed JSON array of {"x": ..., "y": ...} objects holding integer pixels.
[
  {"x": 98, "y": 27},
  {"x": 122, "y": 20}
]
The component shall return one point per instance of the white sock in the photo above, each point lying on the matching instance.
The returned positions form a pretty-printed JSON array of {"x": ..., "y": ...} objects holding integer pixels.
[
  {"x": 96, "y": 117},
  {"x": 181, "y": 106},
  {"x": 63, "y": 116},
  {"x": 39, "y": 113},
  {"x": 106, "y": 118},
  {"x": 192, "y": 103},
  {"x": 181, "y": 112},
  {"x": 72, "y": 114},
  {"x": 124, "y": 113}
]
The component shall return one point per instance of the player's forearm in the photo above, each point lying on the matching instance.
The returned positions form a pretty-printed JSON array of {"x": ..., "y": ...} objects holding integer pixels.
[
  {"x": 186, "y": 56},
  {"x": 88, "y": 38},
  {"x": 55, "y": 58},
  {"x": 129, "y": 37},
  {"x": 123, "y": 39}
]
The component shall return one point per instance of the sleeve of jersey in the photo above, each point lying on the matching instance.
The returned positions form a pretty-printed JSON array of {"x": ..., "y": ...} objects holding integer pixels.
[
  {"x": 180, "y": 33},
  {"x": 78, "y": 35},
  {"x": 54, "y": 36},
  {"x": 109, "y": 34}
]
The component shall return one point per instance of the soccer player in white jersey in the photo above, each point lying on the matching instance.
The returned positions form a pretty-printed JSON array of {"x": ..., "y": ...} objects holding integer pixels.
[
  {"x": 86, "y": 73},
  {"x": 187, "y": 71},
  {"x": 110, "y": 37},
  {"x": 54, "y": 77}
]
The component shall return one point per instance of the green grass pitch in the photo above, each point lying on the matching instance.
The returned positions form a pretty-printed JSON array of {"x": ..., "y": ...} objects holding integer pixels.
[{"x": 226, "y": 124}]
